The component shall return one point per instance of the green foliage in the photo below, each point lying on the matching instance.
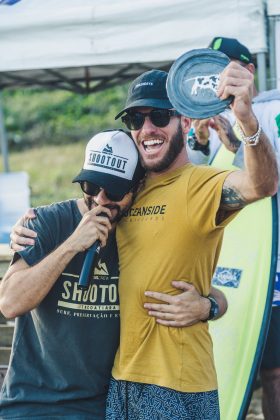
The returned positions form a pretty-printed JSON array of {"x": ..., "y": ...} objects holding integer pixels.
[
  {"x": 47, "y": 134},
  {"x": 38, "y": 117},
  {"x": 51, "y": 170}
]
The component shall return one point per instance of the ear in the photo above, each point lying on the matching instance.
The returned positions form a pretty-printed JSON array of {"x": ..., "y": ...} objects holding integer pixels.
[
  {"x": 251, "y": 68},
  {"x": 185, "y": 124}
]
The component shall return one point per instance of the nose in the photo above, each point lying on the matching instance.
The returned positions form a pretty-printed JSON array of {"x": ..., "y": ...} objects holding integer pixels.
[
  {"x": 148, "y": 126},
  {"x": 101, "y": 198}
]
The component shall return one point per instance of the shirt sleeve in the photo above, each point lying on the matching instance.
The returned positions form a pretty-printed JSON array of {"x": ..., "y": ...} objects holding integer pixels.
[
  {"x": 45, "y": 240},
  {"x": 204, "y": 198}
]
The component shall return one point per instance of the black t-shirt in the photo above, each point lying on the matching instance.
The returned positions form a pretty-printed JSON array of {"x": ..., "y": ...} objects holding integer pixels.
[{"x": 63, "y": 350}]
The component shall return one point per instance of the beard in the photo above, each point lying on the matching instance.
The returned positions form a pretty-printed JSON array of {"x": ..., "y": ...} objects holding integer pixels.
[
  {"x": 90, "y": 203},
  {"x": 176, "y": 144}
]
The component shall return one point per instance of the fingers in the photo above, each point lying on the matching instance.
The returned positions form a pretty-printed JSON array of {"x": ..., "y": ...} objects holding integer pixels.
[
  {"x": 94, "y": 215},
  {"x": 163, "y": 316},
  {"x": 15, "y": 247},
  {"x": 91, "y": 228},
  {"x": 183, "y": 285},
  {"x": 201, "y": 123},
  {"x": 159, "y": 308},
  {"x": 235, "y": 80},
  {"x": 177, "y": 310},
  {"x": 22, "y": 236},
  {"x": 103, "y": 235},
  {"x": 19, "y": 242},
  {"x": 202, "y": 130},
  {"x": 29, "y": 214},
  {"x": 169, "y": 320},
  {"x": 159, "y": 296},
  {"x": 100, "y": 209},
  {"x": 178, "y": 324},
  {"x": 20, "y": 230}
]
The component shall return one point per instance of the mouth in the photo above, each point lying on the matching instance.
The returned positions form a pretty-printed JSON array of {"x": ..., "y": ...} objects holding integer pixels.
[{"x": 152, "y": 145}]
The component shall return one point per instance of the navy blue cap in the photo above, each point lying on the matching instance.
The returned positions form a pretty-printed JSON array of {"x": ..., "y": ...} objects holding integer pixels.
[
  {"x": 148, "y": 90},
  {"x": 232, "y": 48}
]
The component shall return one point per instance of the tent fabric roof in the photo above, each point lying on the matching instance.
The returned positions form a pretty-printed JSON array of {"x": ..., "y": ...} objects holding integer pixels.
[
  {"x": 88, "y": 45},
  {"x": 78, "y": 79},
  {"x": 273, "y": 8}
]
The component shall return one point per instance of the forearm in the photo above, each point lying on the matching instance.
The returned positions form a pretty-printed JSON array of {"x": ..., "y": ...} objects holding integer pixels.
[
  {"x": 260, "y": 162},
  {"x": 221, "y": 300},
  {"x": 197, "y": 157},
  {"x": 23, "y": 290}
]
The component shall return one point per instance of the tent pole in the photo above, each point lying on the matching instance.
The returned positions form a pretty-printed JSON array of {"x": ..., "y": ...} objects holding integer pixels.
[
  {"x": 261, "y": 71},
  {"x": 272, "y": 61},
  {"x": 3, "y": 138}
]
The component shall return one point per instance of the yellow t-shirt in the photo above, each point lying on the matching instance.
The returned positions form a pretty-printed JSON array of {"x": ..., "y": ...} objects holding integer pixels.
[{"x": 169, "y": 234}]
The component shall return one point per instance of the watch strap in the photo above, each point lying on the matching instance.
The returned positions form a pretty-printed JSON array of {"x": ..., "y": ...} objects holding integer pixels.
[{"x": 214, "y": 308}]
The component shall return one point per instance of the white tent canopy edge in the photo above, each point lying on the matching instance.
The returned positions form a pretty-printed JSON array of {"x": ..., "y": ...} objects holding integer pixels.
[
  {"x": 90, "y": 45},
  {"x": 108, "y": 35}
]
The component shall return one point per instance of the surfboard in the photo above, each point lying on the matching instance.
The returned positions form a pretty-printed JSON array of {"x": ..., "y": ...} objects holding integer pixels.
[{"x": 245, "y": 273}]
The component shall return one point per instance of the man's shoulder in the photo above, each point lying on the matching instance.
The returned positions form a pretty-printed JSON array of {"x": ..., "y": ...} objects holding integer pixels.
[
  {"x": 55, "y": 219},
  {"x": 53, "y": 224},
  {"x": 61, "y": 208},
  {"x": 267, "y": 96}
]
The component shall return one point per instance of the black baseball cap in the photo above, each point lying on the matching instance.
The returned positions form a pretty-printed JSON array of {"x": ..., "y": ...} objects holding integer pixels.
[
  {"x": 112, "y": 161},
  {"x": 148, "y": 90},
  {"x": 232, "y": 48}
]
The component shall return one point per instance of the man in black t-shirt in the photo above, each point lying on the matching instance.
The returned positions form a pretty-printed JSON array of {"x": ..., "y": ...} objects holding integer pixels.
[{"x": 66, "y": 338}]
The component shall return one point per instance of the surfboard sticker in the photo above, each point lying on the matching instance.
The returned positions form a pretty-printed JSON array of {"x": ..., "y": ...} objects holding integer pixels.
[{"x": 245, "y": 273}]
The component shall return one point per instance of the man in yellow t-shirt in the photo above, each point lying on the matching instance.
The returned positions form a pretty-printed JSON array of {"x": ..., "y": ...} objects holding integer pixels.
[{"x": 175, "y": 230}]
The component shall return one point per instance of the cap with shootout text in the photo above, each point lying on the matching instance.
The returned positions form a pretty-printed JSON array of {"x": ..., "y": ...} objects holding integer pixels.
[
  {"x": 112, "y": 162},
  {"x": 148, "y": 90}
]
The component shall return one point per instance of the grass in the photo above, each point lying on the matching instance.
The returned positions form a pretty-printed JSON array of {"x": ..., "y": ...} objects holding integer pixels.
[{"x": 51, "y": 170}]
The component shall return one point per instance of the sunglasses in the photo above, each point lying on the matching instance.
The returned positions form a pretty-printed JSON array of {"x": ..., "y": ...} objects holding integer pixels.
[
  {"x": 159, "y": 117},
  {"x": 92, "y": 189}
]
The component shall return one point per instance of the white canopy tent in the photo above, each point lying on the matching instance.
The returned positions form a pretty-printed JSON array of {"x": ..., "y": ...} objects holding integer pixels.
[
  {"x": 88, "y": 45},
  {"x": 273, "y": 12},
  {"x": 57, "y": 43}
]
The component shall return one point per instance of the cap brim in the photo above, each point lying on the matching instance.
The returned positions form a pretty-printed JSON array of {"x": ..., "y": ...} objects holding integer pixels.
[
  {"x": 147, "y": 102},
  {"x": 110, "y": 183}
]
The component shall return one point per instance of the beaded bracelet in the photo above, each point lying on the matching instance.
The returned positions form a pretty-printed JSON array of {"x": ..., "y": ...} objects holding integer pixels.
[{"x": 251, "y": 140}]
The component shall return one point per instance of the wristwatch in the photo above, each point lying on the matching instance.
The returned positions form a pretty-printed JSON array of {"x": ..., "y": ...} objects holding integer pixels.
[
  {"x": 195, "y": 145},
  {"x": 214, "y": 308}
]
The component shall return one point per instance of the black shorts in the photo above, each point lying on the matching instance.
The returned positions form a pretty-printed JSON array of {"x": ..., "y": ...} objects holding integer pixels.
[{"x": 271, "y": 355}]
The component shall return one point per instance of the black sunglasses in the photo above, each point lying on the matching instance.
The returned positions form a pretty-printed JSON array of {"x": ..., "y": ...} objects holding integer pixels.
[
  {"x": 134, "y": 120},
  {"x": 92, "y": 189}
]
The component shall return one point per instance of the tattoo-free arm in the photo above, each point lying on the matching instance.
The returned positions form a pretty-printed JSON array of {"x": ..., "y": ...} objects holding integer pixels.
[
  {"x": 185, "y": 309},
  {"x": 220, "y": 298},
  {"x": 24, "y": 287}
]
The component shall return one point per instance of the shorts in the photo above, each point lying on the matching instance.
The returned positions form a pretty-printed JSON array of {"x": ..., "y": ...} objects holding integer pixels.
[
  {"x": 271, "y": 355},
  {"x": 137, "y": 401}
]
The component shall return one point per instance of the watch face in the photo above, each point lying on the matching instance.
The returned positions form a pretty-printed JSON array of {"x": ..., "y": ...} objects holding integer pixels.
[
  {"x": 214, "y": 310},
  {"x": 191, "y": 142}
]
